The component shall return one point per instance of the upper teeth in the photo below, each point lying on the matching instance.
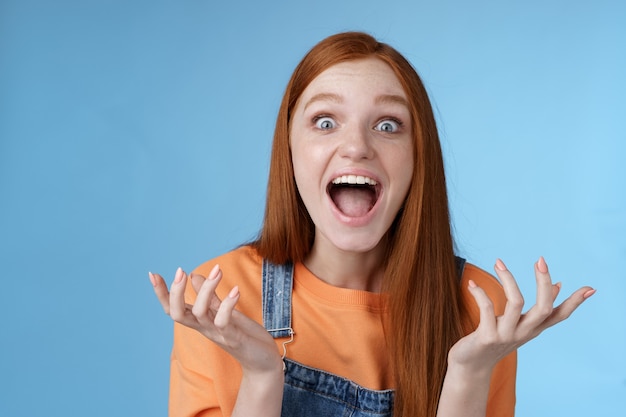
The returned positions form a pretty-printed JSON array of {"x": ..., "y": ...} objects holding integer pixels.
[{"x": 354, "y": 179}]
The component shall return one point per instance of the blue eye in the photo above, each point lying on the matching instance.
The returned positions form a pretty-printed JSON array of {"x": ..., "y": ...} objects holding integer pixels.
[
  {"x": 388, "y": 126},
  {"x": 324, "y": 123}
]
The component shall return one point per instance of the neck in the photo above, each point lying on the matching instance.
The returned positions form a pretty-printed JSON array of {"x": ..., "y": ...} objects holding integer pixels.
[{"x": 345, "y": 269}]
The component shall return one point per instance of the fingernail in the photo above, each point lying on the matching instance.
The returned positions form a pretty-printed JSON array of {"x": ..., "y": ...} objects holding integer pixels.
[
  {"x": 234, "y": 292},
  {"x": 472, "y": 284},
  {"x": 500, "y": 265},
  {"x": 214, "y": 272},
  {"x": 589, "y": 294},
  {"x": 558, "y": 285},
  {"x": 542, "y": 266},
  {"x": 179, "y": 275},
  {"x": 152, "y": 279}
]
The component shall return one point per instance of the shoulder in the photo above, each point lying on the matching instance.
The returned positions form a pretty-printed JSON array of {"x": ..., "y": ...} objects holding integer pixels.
[
  {"x": 242, "y": 259},
  {"x": 240, "y": 267},
  {"x": 488, "y": 283}
]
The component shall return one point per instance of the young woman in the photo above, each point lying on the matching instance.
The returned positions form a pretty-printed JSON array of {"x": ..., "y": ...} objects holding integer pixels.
[{"x": 351, "y": 301}]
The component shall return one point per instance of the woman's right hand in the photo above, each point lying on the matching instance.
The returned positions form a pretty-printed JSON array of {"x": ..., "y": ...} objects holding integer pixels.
[{"x": 243, "y": 338}]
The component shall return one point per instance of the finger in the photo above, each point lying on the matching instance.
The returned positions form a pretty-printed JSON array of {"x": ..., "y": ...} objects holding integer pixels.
[
  {"x": 178, "y": 308},
  {"x": 545, "y": 298},
  {"x": 207, "y": 300},
  {"x": 161, "y": 291},
  {"x": 567, "y": 307},
  {"x": 197, "y": 280},
  {"x": 514, "y": 298},
  {"x": 487, "y": 323},
  {"x": 225, "y": 313},
  {"x": 556, "y": 289}
]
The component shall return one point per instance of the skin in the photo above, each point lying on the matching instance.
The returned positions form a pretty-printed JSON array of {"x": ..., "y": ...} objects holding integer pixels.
[
  {"x": 352, "y": 119},
  {"x": 471, "y": 359},
  {"x": 247, "y": 341},
  {"x": 341, "y": 125}
]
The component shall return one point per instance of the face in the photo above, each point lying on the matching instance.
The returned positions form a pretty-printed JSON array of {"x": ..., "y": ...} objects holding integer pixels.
[{"x": 352, "y": 153}]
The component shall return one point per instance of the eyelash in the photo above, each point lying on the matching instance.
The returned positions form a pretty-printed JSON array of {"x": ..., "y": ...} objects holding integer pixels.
[
  {"x": 391, "y": 119},
  {"x": 398, "y": 122},
  {"x": 317, "y": 118}
]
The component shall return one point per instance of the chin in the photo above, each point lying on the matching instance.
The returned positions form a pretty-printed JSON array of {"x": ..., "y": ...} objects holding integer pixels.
[{"x": 356, "y": 244}]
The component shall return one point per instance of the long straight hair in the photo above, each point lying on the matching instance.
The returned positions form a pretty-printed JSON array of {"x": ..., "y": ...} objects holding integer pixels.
[{"x": 425, "y": 311}]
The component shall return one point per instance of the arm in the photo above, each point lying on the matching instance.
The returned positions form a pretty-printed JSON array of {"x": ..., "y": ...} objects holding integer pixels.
[
  {"x": 472, "y": 359},
  {"x": 245, "y": 340}
]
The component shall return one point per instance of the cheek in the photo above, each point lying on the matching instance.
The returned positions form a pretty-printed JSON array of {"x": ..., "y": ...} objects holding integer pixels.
[
  {"x": 307, "y": 158},
  {"x": 297, "y": 148},
  {"x": 299, "y": 161},
  {"x": 308, "y": 173},
  {"x": 405, "y": 165},
  {"x": 302, "y": 171}
]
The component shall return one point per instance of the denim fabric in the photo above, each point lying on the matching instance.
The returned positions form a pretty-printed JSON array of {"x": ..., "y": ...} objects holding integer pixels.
[
  {"x": 310, "y": 392},
  {"x": 460, "y": 266},
  {"x": 277, "y": 287}
]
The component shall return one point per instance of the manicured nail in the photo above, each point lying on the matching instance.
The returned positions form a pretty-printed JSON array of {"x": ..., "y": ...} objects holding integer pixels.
[
  {"x": 179, "y": 275},
  {"x": 472, "y": 284},
  {"x": 152, "y": 279},
  {"x": 589, "y": 294},
  {"x": 542, "y": 266},
  {"x": 214, "y": 272},
  {"x": 234, "y": 292},
  {"x": 500, "y": 265}
]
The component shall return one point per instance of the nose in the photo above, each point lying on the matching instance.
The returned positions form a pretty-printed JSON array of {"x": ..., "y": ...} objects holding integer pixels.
[{"x": 356, "y": 144}]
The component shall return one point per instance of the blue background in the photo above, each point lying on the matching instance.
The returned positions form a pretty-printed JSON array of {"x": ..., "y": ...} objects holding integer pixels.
[{"x": 135, "y": 136}]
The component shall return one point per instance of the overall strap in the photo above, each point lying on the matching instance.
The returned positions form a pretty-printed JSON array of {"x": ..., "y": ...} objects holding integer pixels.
[
  {"x": 460, "y": 266},
  {"x": 277, "y": 287}
]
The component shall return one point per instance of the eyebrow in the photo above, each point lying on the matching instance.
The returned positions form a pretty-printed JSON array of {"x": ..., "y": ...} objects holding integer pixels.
[
  {"x": 324, "y": 97},
  {"x": 392, "y": 99},
  {"x": 336, "y": 98}
]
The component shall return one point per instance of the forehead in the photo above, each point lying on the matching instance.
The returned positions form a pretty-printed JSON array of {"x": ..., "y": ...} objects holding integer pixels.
[{"x": 366, "y": 76}]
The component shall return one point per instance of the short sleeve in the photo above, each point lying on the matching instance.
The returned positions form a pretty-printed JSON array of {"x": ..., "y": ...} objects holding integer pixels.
[{"x": 501, "y": 401}]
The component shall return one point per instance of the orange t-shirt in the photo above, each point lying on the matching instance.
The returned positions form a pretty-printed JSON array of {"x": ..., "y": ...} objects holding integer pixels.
[{"x": 336, "y": 329}]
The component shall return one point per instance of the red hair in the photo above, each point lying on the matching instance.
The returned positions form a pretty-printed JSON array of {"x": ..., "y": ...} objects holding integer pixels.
[{"x": 425, "y": 307}]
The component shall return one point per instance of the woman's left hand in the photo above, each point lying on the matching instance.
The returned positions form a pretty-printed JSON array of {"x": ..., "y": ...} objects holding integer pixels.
[{"x": 497, "y": 336}]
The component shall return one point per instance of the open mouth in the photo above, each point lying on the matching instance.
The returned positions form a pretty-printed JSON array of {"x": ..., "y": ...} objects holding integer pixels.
[{"x": 354, "y": 195}]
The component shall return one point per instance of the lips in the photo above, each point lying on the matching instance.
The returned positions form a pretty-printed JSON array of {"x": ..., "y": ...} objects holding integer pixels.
[{"x": 354, "y": 195}]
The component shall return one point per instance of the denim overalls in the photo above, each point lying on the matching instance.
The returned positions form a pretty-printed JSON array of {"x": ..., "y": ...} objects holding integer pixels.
[{"x": 310, "y": 392}]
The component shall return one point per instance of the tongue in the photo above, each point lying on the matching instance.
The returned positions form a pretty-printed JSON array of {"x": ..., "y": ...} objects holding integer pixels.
[{"x": 353, "y": 201}]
